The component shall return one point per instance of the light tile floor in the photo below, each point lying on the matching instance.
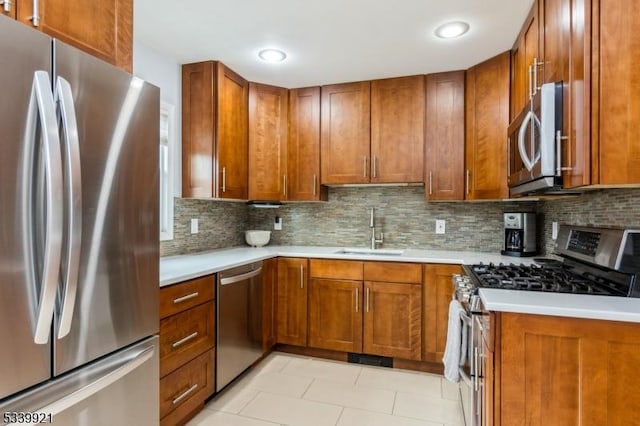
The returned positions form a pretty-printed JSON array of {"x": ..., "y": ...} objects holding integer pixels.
[{"x": 300, "y": 391}]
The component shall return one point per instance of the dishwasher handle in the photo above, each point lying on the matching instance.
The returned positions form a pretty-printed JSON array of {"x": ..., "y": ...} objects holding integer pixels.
[{"x": 241, "y": 277}]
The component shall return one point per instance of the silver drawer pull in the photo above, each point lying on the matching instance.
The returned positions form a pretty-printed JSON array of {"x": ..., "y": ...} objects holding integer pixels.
[
  {"x": 185, "y": 298},
  {"x": 184, "y": 340},
  {"x": 184, "y": 394}
]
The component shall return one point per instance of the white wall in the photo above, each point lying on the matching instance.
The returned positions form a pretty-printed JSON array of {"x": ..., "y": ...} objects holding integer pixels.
[{"x": 165, "y": 73}]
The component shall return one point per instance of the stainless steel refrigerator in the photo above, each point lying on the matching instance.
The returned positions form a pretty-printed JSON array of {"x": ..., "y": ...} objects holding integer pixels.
[{"x": 79, "y": 245}]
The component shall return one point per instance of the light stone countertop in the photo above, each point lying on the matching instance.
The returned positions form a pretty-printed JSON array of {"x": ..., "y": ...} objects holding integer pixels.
[
  {"x": 174, "y": 269},
  {"x": 562, "y": 304}
]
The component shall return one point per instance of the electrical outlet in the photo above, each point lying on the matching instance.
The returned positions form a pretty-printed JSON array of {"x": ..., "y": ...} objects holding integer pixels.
[
  {"x": 277, "y": 224},
  {"x": 440, "y": 226},
  {"x": 194, "y": 226},
  {"x": 554, "y": 230}
]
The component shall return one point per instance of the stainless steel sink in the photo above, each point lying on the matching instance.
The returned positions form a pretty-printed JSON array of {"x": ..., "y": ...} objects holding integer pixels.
[{"x": 366, "y": 251}]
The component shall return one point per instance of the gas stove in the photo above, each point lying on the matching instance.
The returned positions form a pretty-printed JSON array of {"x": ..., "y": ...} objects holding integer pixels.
[{"x": 595, "y": 261}]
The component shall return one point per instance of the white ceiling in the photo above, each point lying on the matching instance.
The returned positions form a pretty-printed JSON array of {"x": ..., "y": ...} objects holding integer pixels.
[{"x": 329, "y": 41}]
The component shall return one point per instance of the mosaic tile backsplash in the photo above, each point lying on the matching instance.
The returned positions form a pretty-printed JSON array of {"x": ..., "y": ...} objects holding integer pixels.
[{"x": 407, "y": 220}]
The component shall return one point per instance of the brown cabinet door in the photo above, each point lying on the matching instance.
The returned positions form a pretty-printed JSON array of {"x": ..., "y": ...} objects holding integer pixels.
[
  {"x": 437, "y": 291},
  {"x": 444, "y": 159},
  {"x": 618, "y": 116},
  {"x": 335, "y": 315},
  {"x": 8, "y": 8},
  {"x": 292, "y": 301},
  {"x": 392, "y": 320},
  {"x": 101, "y": 28},
  {"x": 231, "y": 134},
  {"x": 303, "y": 146},
  {"x": 345, "y": 133},
  {"x": 554, "y": 40},
  {"x": 267, "y": 142},
  {"x": 397, "y": 130},
  {"x": 487, "y": 119},
  {"x": 269, "y": 297},
  {"x": 568, "y": 371},
  {"x": 524, "y": 56}
]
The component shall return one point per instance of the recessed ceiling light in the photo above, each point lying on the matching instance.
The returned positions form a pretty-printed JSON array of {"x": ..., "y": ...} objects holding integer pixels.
[
  {"x": 452, "y": 29},
  {"x": 272, "y": 55}
]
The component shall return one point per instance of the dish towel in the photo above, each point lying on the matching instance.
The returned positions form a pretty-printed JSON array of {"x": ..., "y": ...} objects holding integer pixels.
[{"x": 455, "y": 348}]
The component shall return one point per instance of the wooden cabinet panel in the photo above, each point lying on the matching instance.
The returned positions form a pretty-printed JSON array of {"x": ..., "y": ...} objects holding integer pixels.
[
  {"x": 437, "y": 292},
  {"x": 340, "y": 269},
  {"x": 185, "y": 295},
  {"x": 231, "y": 134},
  {"x": 487, "y": 119},
  {"x": 8, "y": 8},
  {"x": 554, "y": 40},
  {"x": 185, "y": 390},
  {"x": 444, "y": 157},
  {"x": 618, "y": 67},
  {"x": 393, "y": 272},
  {"x": 524, "y": 54},
  {"x": 303, "y": 160},
  {"x": 269, "y": 295},
  {"x": 392, "y": 320},
  {"x": 292, "y": 301},
  {"x": 184, "y": 335},
  {"x": 198, "y": 121},
  {"x": 335, "y": 315},
  {"x": 101, "y": 28},
  {"x": 563, "y": 371},
  {"x": 268, "y": 114},
  {"x": 397, "y": 130},
  {"x": 345, "y": 133}
]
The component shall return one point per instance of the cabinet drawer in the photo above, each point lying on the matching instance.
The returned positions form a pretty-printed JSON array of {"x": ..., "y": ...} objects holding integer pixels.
[
  {"x": 185, "y": 335},
  {"x": 180, "y": 297},
  {"x": 393, "y": 272},
  {"x": 189, "y": 385},
  {"x": 339, "y": 269}
]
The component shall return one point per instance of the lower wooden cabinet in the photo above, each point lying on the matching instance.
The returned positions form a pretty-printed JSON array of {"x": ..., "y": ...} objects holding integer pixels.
[
  {"x": 437, "y": 292},
  {"x": 292, "y": 301},
  {"x": 187, "y": 348},
  {"x": 349, "y": 314},
  {"x": 269, "y": 295},
  {"x": 567, "y": 371}
]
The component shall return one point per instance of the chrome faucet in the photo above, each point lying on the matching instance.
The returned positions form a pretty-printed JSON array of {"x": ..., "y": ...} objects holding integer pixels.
[{"x": 374, "y": 240}]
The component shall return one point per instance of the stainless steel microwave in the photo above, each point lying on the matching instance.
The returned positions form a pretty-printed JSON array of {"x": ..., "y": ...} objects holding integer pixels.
[{"x": 535, "y": 143}]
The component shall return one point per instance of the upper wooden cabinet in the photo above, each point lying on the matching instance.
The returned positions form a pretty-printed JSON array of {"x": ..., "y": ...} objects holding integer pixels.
[
  {"x": 214, "y": 132},
  {"x": 267, "y": 142},
  {"x": 487, "y": 120},
  {"x": 397, "y": 130},
  {"x": 102, "y": 28},
  {"x": 444, "y": 151},
  {"x": 8, "y": 8},
  {"x": 345, "y": 135},
  {"x": 525, "y": 59},
  {"x": 303, "y": 152}
]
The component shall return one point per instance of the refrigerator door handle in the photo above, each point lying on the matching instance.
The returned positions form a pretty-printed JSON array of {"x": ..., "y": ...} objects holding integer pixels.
[
  {"x": 42, "y": 105},
  {"x": 73, "y": 202},
  {"x": 126, "y": 366}
]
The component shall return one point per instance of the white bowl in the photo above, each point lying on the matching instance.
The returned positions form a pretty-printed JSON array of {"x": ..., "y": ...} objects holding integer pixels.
[{"x": 257, "y": 238}]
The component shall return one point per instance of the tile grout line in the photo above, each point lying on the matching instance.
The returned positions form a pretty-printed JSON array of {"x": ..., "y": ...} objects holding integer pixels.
[
  {"x": 339, "y": 416},
  {"x": 307, "y": 389}
]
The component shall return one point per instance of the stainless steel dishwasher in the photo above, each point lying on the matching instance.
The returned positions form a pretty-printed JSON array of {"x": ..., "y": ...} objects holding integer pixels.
[{"x": 239, "y": 321}]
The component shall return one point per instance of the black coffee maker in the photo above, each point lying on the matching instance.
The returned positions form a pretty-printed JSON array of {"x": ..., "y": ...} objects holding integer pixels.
[{"x": 519, "y": 234}]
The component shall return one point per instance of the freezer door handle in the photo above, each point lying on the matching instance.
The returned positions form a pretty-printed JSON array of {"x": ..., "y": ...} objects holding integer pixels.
[
  {"x": 42, "y": 105},
  {"x": 125, "y": 367},
  {"x": 73, "y": 202}
]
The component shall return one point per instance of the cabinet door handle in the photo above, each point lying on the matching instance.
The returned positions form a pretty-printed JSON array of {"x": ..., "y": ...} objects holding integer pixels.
[
  {"x": 467, "y": 181},
  {"x": 357, "y": 292},
  {"x": 184, "y": 340},
  {"x": 184, "y": 394},
  {"x": 35, "y": 18},
  {"x": 366, "y": 299},
  {"x": 536, "y": 64},
  {"x": 6, "y": 5},
  {"x": 315, "y": 183},
  {"x": 224, "y": 179},
  {"x": 185, "y": 298},
  {"x": 301, "y": 276},
  {"x": 430, "y": 183},
  {"x": 559, "y": 167},
  {"x": 375, "y": 166},
  {"x": 530, "y": 81},
  {"x": 364, "y": 167},
  {"x": 284, "y": 185}
]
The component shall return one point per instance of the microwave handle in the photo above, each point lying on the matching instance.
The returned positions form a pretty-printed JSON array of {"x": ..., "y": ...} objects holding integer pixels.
[{"x": 521, "y": 148}]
